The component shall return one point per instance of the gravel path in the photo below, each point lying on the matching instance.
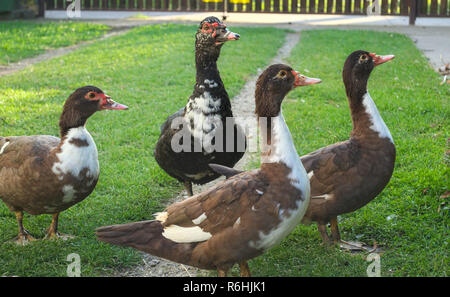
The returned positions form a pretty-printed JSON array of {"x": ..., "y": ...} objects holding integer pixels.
[{"x": 243, "y": 106}]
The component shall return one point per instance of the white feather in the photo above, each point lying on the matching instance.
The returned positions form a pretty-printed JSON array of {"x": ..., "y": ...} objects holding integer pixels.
[
  {"x": 324, "y": 196},
  {"x": 185, "y": 234},
  {"x": 283, "y": 150},
  {"x": 211, "y": 83},
  {"x": 378, "y": 124},
  {"x": 287, "y": 224},
  {"x": 161, "y": 216},
  {"x": 237, "y": 222},
  {"x": 69, "y": 193},
  {"x": 200, "y": 219},
  {"x": 3, "y": 148},
  {"x": 73, "y": 159}
]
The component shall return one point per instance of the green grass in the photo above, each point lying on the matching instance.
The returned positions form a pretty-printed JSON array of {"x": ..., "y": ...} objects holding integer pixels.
[
  {"x": 23, "y": 39},
  {"x": 150, "y": 69},
  {"x": 416, "y": 109}
]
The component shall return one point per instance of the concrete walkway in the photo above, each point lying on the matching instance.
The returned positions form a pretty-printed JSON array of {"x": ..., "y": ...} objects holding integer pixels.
[
  {"x": 431, "y": 35},
  {"x": 258, "y": 18}
]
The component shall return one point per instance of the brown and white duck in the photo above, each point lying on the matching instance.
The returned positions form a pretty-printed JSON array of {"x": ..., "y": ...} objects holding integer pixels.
[
  {"x": 243, "y": 216},
  {"x": 347, "y": 175},
  {"x": 43, "y": 174},
  {"x": 204, "y": 115}
]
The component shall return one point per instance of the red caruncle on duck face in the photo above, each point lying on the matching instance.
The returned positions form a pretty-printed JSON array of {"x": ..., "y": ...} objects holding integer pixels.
[
  {"x": 218, "y": 30},
  {"x": 105, "y": 101}
]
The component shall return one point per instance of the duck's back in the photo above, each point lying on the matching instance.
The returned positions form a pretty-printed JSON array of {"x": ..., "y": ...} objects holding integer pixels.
[
  {"x": 24, "y": 164},
  {"x": 28, "y": 181},
  {"x": 346, "y": 176}
]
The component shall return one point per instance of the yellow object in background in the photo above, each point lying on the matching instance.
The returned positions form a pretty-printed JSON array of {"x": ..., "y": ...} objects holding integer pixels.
[{"x": 230, "y": 1}]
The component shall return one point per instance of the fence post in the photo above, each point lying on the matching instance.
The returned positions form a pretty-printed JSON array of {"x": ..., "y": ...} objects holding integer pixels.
[
  {"x": 41, "y": 8},
  {"x": 413, "y": 11}
]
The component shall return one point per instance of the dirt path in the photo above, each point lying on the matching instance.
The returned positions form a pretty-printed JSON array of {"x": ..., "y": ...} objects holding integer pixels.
[
  {"x": 243, "y": 106},
  {"x": 50, "y": 54}
]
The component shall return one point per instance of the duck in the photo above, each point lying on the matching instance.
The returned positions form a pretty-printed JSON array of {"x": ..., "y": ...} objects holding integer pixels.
[
  {"x": 43, "y": 174},
  {"x": 347, "y": 175},
  {"x": 203, "y": 119},
  {"x": 241, "y": 217}
]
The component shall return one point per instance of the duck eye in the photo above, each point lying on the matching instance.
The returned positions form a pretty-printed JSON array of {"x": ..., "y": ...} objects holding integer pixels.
[
  {"x": 282, "y": 73},
  {"x": 91, "y": 95},
  {"x": 363, "y": 57}
]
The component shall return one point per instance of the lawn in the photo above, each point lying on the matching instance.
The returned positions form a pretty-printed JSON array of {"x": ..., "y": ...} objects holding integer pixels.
[
  {"x": 150, "y": 69},
  {"x": 408, "y": 219},
  {"x": 23, "y": 39}
]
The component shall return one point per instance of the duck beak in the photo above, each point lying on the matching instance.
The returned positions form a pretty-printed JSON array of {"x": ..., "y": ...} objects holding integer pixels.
[
  {"x": 108, "y": 103},
  {"x": 301, "y": 80},
  {"x": 378, "y": 60},
  {"x": 232, "y": 36},
  {"x": 227, "y": 36}
]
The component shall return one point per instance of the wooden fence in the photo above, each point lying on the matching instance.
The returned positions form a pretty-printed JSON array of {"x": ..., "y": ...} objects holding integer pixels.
[{"x": 413, "y": 8}]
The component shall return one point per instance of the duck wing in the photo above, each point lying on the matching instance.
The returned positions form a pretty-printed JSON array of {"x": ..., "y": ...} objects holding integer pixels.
[
  {"x": 224, "y": 170},
  {"x": 328, "y": 166},
  {"x": 21, "y": 160},
  {"x": 166, "y": 125},
  {"x": 204, "y": 230}
]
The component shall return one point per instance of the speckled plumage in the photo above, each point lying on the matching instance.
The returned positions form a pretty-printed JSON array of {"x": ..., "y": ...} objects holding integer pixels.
[{"x": 207, "y": 109}]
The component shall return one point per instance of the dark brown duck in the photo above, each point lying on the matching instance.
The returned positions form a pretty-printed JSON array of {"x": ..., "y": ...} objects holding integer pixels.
[
  {"x": 346, "y": 176},
  {"x": 203, "y": 116},
  {"x": 43, "y": 174}
]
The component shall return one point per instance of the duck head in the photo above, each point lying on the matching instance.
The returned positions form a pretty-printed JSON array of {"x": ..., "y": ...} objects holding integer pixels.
[
  {"x": 212, "y": 34},
  {"x": 357, "y": 69},
  {"x": 274, "y": 84},
  {"x": 83, "y": 103}
]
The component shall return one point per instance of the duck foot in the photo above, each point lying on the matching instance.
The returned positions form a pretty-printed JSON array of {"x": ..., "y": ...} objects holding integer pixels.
[
  {"x": 222, "y": 273},
  {"x": 356, "y": 246},
  {"x": 244, "y": 269},
  {"x": 57, "y": 236},
  {"x": 52, "y": 231},
  {"x": 23, "y": 238},
  {"x": 188, "y": 188}
]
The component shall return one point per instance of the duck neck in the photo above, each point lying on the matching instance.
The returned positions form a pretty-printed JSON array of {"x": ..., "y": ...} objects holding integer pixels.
[
  {"x": 367, "y": 121},
  {"x": 70, "y": 119},
  {"x": 209, "y": 96},
  {"x": 207, "y": 76},
  {"x": 278, "y": 148},
  {"x": 277, "y": 144},
  {"x": 206, "y": 65}
]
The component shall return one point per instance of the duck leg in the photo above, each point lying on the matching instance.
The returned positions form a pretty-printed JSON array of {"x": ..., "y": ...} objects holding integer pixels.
[
  {"x": 52, "y": 231},
  {"x": 323, "y": 233},
  {"x": 221, "y": 273},
  {"x": 24, "y": 236},
  {"x": 188, "y": 187},
  {"x": 244, "y": 269},
  {"x": 335, "y": 235}
]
